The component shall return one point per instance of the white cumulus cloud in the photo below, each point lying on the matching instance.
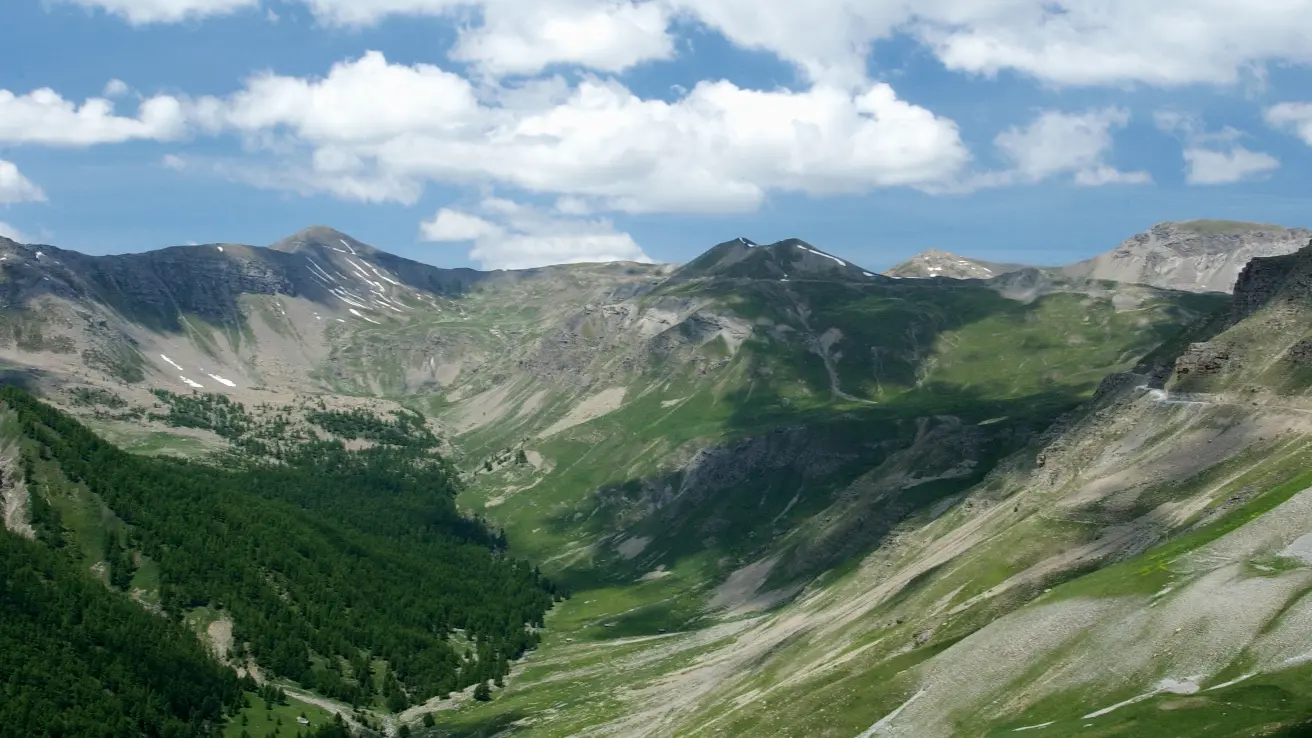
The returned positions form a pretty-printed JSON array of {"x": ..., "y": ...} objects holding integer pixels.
[
  {"x": 1059, "y": 143},
  {"x": 115, "y": 88},
  {"x": 454, "y": 225},
  {"x": 43, "y": 117},
  {"x": 1293, "y": 117},
  {"x": 143, "y": 12},
  {"x": 718, "y": 148},
  {"x": 15, "y": 188},
  {"x": 1213, "y": 157},
  {"x": 1075, "y": 42},
  {"x": 511, "y": 235},
  {"x": 1236, "y": 164}
]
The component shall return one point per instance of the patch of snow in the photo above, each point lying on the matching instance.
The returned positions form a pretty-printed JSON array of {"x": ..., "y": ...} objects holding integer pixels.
[
  {"x": 38, "y": 254},
  {"x": 1185, "y": 686},
  {"x": 193, "y": 384},
  {"x": 868, "y": 274},
  {"x": 359, "y": 314},
  {"x": 339, "y": 295},
  {"x": 339, "y": 320},
  {"x": 358, "y": 269},
  {"x": 1034, "y": 727},
  {"x": 746, "y": 242},
  {"x": 383, "y": 276},
  {"x": 827, "y": 256},
  {"x": 347, "y": 245},
  {"x": 175, "y": 364},
  {"x": 320, "y": 271},
  {"x": 222, "y": 381},
  {"x": 363, "y": 275},
  {"x": 220, "y": 248}
]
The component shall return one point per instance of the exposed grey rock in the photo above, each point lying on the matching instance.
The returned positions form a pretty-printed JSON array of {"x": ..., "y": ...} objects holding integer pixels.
[{"x": 1198, "y": 256}]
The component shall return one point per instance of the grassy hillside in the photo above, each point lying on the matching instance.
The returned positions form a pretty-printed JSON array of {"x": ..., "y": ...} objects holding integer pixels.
[{"x": 727, "y": 486}]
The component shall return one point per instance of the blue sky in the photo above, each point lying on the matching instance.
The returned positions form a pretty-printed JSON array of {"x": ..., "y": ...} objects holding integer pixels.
[{"x": 507, "y": 133}]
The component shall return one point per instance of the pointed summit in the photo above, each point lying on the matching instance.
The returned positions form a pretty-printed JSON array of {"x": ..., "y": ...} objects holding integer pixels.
[
  {"x": 319, "y": 237},
  {"x": 935, "y": 263},
  {"x": 791, "y": 258}
]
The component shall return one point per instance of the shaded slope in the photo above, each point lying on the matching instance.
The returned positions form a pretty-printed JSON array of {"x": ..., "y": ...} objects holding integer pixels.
[{"x": 788, "y": 259}]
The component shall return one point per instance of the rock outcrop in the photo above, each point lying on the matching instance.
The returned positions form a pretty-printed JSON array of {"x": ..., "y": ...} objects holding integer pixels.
[{"x": 1197, "y": 256}]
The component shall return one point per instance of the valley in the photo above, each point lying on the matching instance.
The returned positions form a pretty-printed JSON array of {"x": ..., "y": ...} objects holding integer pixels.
[{"x": 768, "y": 492}]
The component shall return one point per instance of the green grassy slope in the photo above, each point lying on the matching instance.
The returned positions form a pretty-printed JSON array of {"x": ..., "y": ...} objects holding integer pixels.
[{"x": 826, "y": 454}]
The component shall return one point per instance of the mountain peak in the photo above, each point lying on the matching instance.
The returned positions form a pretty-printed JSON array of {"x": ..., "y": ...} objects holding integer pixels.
[
  {"x": 322, "y": 237},
  {"x": 791, "y": 258},
  {"x": 936, "y": 263}
]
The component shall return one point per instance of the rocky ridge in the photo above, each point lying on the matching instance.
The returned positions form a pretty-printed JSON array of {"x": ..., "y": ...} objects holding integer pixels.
[{"x": 1194, "y": 256}]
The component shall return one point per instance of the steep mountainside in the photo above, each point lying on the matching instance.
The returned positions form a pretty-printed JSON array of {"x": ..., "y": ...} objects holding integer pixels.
[
  {"x": 935, "y": 263},
  {"x": 1199, "y": 255},
  {"x": 688, "y": 450},
  {"x": 324, "y": 566},
  {"x": 79, "y": 660}
]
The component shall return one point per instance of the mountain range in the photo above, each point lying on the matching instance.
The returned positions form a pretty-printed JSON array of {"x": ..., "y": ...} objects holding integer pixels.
[
  {"x": 789, "y": 496},
  {"x": 1198, "y": 256}
]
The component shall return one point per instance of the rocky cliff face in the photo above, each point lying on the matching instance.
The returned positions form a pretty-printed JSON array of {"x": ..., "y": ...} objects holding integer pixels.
[
  {"x": 935, "y": 263},
  {"x": 1199, "y": 256}
]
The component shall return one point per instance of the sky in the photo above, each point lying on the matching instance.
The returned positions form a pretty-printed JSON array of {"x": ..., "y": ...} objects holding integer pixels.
[{"x": 516, "y": 133}]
